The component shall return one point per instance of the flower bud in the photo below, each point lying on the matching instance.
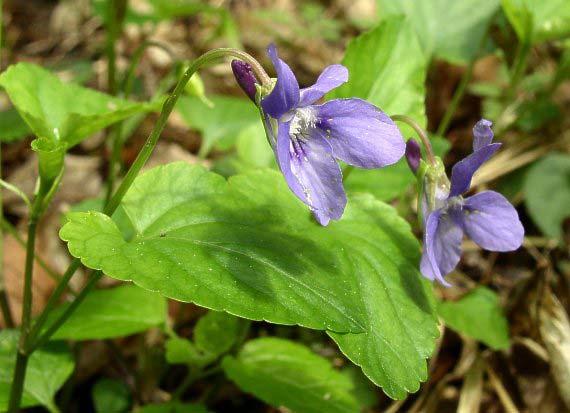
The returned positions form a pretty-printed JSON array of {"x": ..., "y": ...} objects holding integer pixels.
[
  {"x": 482, "y": 134},
  {"x": 245, "y": 77},
  {"x": 195, "y": 87},
  {"x": 413, "y": 155},
  {"x": 434, "y": 188}
]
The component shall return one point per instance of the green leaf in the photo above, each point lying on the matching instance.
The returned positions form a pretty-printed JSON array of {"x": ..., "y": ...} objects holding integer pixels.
[
  {"x": 478, "y": 315},
  {"x": 110, "y": 313},
  {"x": 111, "y": 396},
  {"x": 537, "y": 113},
  {"x": 364, "y": 391},
  {"x": 252, "y": 152},
  {"x": 217, "y": 332},
  {"x": 388, "y": 68},
  {"x": 249, "y": 247},
  {"x": 48, "y": 369},
  {"x": 173, "y": 407},
  {"x": 253, "y": 149},
  {"x": 12, "y": 126},
  {"x": 511, "y": 185},
  {"x": 221, "y": 124},
  {"x": 547, "y": 193},
  {"x": 120, "y": 217},
  {"x": 538, "y": 21},
  {"x": 50, "y": 159},
  {"x": 284, "y": 373},
  {"x": 448, "y": 29},
  {"x": 62, "y": 112},
  {"x": 182, "y": 351},
  {"x": 389, "y": 183}
]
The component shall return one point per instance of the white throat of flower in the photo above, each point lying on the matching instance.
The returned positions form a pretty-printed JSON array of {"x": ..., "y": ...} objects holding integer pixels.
[{"x": 302, "y": 122}]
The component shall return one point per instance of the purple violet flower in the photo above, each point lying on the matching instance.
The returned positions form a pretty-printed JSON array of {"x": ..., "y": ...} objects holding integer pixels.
[
  {"x": 308, "y": 139},
  {"x": 487, "y": 217}
]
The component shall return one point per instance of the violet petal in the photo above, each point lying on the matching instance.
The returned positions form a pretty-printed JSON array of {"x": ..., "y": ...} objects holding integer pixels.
[
  {"x": 285, "y": 95},
  {"x": 463, "y": 171},
  {"x": 332, "y": 77},
  {"x": 442, "y": 246},
  {"x": 360, "y": 133},
  {"x": 492, "y": 222},
  {"x": 320, "y": 177},
  {"x": 482, "y": 134},
  {"x": 283, "y": 155}
]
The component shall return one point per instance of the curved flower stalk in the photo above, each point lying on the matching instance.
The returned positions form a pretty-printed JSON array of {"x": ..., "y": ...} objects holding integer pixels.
[
  {"x": 487, "y": 217},
  {"x": 308, "y": 139}
]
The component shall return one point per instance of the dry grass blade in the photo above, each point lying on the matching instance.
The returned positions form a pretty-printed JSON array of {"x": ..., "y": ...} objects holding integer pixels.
[
  {"x": 503, "y": 394},
  {"x": 472, "y": 390},
  {"x": 554, "y": 329}
]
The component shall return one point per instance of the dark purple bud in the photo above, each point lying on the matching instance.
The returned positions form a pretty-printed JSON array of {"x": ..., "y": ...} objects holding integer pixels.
[
  {"x": 413, "y": 154},
  {"x": 245, "y": 77}
]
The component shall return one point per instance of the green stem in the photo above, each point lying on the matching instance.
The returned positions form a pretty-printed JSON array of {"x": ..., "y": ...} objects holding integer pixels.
[
  {"x": 44, "y": 338},
  {"x": 113, "y": 29},
  {"x": 421, "y": 134},
  {"x": 18, "y": 382},
  {"x": 190, "y": 378},
  {"x": 54, "y": 298},
  {"x": 22, "y": 356},
  {"x": 519, "y": 67},
  {"x": 143, "y": 156},
  {"x": 456, "y": 99},
  {"x": 114, "y": 161},
  {"x": 117, "y": 130},
  {"x": 167, "y": 108},
  {"x": 194, "y": 375}
]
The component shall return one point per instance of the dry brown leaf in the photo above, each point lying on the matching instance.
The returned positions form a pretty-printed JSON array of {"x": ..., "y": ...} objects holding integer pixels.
[
  {"x": 14, "y": 258},
  {"x": 166, "y": 152}
]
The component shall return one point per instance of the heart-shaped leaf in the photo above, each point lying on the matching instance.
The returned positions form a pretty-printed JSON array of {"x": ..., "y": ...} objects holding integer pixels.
[
  {"x": 62, "y": 112},
  {"x": 217, "y": 332},
  {"x": 448, "y": 29},
  {"x": 111, "y": 313},
  {"x": 249, "y": 247},
  {"x": 478, "y": 315},
  {"x": 388, "y": 68},
  {"x": 284, "y": 373},
  {"x": 48, "y": 368}
]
